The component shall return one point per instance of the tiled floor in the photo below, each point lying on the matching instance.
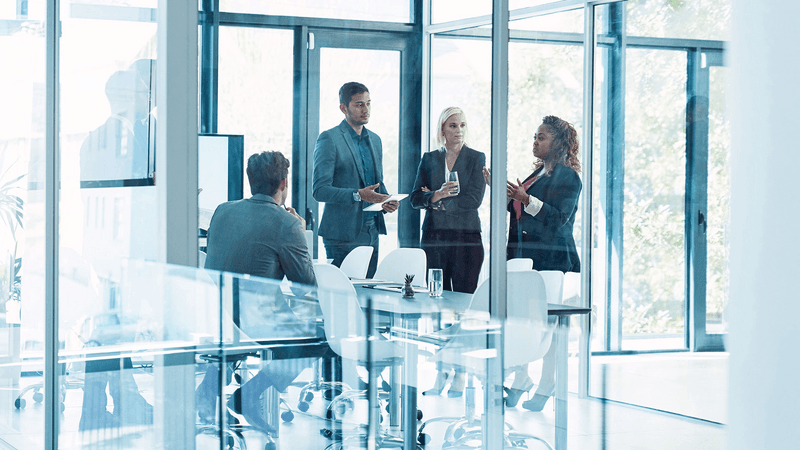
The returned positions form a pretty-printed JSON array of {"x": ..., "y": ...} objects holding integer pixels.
[{"x": 672, "y": 380}]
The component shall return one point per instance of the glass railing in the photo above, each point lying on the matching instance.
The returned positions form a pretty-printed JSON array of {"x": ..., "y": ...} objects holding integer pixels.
[{"x": 301, "y": 366}]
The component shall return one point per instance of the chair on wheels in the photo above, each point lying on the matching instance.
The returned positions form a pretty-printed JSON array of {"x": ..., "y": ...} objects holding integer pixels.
[
  {"x": 345, "y": 325},
  {"x": 400, "y": 262},
  {"x": 527, "y": 305},
  {"x": 356, "y": 262}
]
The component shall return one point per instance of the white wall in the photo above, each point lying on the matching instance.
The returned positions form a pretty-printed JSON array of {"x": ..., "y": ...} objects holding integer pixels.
[{"x": 765, "y": 214}]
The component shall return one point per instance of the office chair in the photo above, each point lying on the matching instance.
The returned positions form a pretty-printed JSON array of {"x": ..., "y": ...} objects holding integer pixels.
[
  {"x": 527, "y": 304},
  {"x": 347, "y": 335},
  {"x": 356, "y": 262},
  {"x": 400, "y": 262}
]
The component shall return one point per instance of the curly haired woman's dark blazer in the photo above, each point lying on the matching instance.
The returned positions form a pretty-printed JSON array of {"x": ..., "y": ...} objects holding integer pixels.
[{"x": 546, "y": 238}]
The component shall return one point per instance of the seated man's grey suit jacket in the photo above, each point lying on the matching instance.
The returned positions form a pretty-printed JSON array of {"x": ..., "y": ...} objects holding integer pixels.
[
  {"x": 258, "y": 237},
  {"x": 338, "y": 173}
]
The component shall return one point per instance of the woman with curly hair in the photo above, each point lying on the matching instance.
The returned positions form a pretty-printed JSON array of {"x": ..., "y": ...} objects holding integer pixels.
[{"x": 543, "y": 208}]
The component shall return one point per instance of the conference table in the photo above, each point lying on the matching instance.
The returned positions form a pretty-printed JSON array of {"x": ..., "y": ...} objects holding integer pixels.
[{"x": 405, "y": 314}]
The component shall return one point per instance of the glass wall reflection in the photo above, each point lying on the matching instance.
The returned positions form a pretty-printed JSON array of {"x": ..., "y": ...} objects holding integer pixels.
[{"x": 22, "y": 217}]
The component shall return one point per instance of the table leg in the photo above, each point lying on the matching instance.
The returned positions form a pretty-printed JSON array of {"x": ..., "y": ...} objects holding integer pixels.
[
  {"x": 397, "y": 383},
  {"x": 409, "y": 398},
  {"x": 561, "y": 338},
  {"x": 394, "y": 404}
]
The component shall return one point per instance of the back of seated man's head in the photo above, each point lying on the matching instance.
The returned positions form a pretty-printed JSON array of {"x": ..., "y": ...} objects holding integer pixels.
[{"x": 265, "y": 171}]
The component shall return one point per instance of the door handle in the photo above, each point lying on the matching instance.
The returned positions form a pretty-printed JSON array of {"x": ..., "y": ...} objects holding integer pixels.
[
  {"x": 701, "y": 220},
  {"x": 309, "y": 219}
]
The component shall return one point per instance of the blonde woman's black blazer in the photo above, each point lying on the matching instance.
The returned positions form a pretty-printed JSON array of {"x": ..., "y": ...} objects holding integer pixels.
[{"x": 460, "y": 212}]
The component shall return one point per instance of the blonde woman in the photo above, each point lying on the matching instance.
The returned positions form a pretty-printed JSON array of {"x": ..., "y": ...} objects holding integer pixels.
[{"x": 451, "y": 232}]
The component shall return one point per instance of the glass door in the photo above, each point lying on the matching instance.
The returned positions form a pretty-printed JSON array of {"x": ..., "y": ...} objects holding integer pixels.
[
  {"x": 710, "y": 134},
  {"x": 375, "y": 61}
]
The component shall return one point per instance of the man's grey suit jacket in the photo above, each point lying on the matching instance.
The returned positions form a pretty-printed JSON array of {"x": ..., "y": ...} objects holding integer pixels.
[
  {"x": 256, "y": 236},
  {"x": 338, "y": 173}
]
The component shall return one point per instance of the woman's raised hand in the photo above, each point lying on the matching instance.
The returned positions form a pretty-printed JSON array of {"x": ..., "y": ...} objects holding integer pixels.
[{"x": 516, "y": 191}]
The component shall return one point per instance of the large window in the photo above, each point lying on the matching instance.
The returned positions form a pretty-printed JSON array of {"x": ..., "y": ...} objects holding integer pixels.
[{"x": 255, "y": 90}]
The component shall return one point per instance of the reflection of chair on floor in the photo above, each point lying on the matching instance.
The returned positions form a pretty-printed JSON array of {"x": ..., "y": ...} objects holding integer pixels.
[
  {"x": 265, "y": 327},
  {"x": 346, "y": 332},
  {"x": 287, "y": 358},
  {"x": 527, "y": 306},
  {"x": 400, "y": 262},
  {"x": 356, "y": 262},
  {"x": 67, "y": 381}
]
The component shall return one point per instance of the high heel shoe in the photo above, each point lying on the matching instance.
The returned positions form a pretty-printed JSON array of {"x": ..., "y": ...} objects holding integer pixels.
[
  {"x": 457, "y": 386},
  {"x": 537, "y": 403},
  {"x": 438, "y": 386},
  {"x": 514, "y": 394}
]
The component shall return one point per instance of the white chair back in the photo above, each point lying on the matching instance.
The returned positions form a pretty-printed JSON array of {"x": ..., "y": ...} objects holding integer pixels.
[
  {"x": 554, "y": 284},
  {"x": 339, "y": 304},
  {"x": 516, "y": 264},
  {"x": 402, "y": 261},
  {"x": 572, "y": 288},
  {"x": 527, "y": 319},
  {"x": 356, "y": 262},
  {"x": 310, "y": 242}
]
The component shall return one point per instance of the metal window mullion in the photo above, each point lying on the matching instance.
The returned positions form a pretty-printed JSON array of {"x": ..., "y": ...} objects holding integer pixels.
[
  {"x": 302, "y": 155},
  {"x": 209, "y": 68},
  {"x": 52, "y": 175},
  {"x": 586, "y": 235},
  {"x": 493, "y": 395}
]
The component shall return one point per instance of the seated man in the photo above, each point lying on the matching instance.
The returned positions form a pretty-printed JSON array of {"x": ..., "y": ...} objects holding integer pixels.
[{"x": 258, "y": 236}]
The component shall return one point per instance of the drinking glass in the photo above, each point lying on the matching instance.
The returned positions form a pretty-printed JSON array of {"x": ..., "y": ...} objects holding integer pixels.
[
  {"x": 454, "y": 177},
  {"x": 435, "y": 277}
]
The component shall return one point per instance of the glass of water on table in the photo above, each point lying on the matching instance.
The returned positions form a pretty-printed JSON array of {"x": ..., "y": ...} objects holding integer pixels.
[{"x": 435, "y": 277}]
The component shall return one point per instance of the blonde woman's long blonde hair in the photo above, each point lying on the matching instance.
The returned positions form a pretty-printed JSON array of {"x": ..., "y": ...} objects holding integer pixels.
[{"x": 451, "y": 111}]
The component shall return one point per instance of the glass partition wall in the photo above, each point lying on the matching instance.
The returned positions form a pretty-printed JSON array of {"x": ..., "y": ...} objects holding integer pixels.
[{"x": 641, "y": 85}]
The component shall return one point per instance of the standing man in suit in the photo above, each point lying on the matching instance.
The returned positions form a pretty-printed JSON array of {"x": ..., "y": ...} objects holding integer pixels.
[{"x": 348, "y": 176}]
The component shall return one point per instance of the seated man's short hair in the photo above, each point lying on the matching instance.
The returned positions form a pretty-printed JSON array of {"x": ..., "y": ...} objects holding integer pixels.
[{"x": 265, "y": 171}]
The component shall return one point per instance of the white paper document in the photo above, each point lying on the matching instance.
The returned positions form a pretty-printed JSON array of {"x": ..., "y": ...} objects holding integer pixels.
[{"x": 378, "y": 207}]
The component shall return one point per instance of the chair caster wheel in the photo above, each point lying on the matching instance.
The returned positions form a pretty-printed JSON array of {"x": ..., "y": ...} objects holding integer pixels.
[
  {"x": 309, "y": 396},
  {"x": 63, "y": 407},
  {"x": 386, "y": 386},
  {"x": 458, "y": 433},
  {"x": 270, "y": 446},
  {"x": 381, "y": 419},
  {"x": 419, "y": 414},
  {"x": 287, "y": 416},
  {"x": 302, "y": 406},
  {"x": 238, "y": 378},
  {"x": 423, "y": 439},
  {"x": 329, "y": 414},
  {"x": 229, "y": 442},
  {"x": 38, "y": 397},
  {"x": 341, "y": 408},
  {"x": 19, "y": 403},
  {"x": 447, "y": 445}
]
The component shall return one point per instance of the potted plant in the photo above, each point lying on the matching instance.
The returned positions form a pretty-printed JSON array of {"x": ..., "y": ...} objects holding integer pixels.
[{"x": 11, "y": 206}]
